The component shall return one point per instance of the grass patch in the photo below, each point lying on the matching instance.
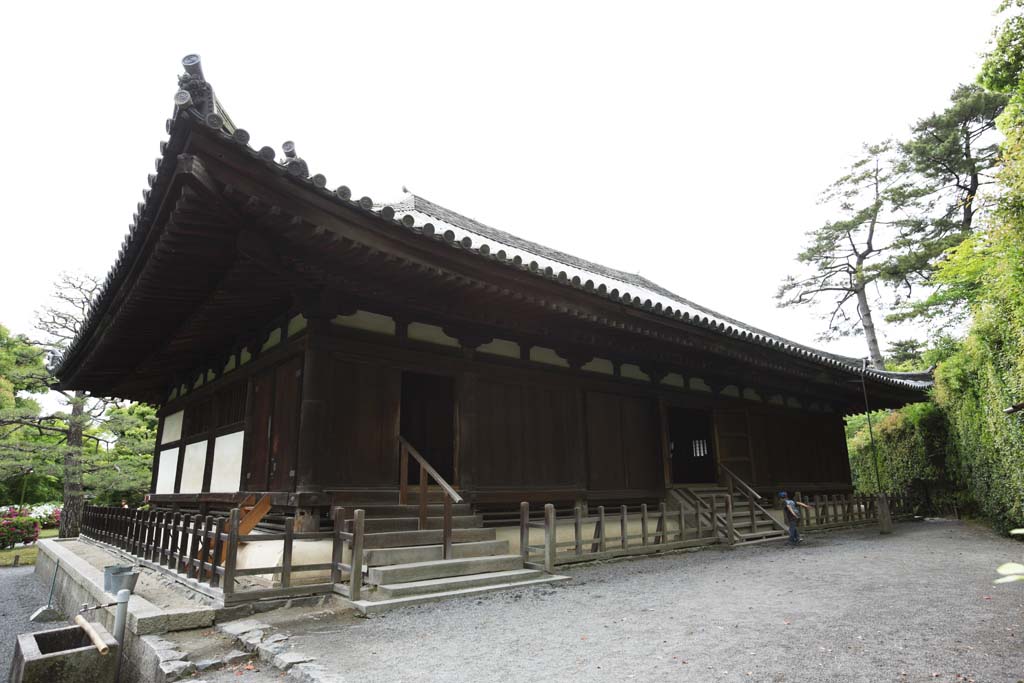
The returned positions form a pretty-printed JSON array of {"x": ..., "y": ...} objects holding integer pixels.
[{"x": 27, "y": 553}]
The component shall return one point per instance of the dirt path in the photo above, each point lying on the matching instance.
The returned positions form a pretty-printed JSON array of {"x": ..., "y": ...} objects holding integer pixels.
[{"x": 848, "y": 606}]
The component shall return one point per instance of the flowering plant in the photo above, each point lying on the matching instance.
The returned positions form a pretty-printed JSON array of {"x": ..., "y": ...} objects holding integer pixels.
[
  {"x": 15, "y": 530},
  {"x": 46, "y": 514}
]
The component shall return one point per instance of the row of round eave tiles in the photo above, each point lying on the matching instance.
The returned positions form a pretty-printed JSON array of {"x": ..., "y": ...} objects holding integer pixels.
[{"x": 342, "y": 192}]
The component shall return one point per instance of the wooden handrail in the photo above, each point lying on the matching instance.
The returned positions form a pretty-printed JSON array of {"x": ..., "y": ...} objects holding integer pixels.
[
  {"x": 424, "y": 465},
  {"x": 750, "y": 493}
]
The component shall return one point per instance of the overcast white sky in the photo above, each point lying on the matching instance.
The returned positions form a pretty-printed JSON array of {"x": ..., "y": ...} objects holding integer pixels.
[{"x": 686, "y": 141}]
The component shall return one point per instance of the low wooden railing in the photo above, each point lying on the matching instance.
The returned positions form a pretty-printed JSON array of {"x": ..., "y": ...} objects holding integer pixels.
[
  {"x": 707, "y": 512},
  {"x": 605, "y": 542},
  {"x": 405, "y": 449},
  {"x": 201, "y": 551},
  {"x": 847, "y": 509},
  {"x": 753, "y": 505}
]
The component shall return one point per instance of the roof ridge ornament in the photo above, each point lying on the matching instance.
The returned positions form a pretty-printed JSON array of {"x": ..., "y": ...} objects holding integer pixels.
[
  {"x": 292, "y": 161},
  {"x": 196, "y": 93}
]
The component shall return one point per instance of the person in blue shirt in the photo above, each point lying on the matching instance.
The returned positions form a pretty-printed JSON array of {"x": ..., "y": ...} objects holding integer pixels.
[{"x": 791, "y": 513}]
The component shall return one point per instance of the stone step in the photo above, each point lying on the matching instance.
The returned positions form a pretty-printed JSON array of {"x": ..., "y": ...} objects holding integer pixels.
[
  {"x": 375, "y": 524},
  {"x": 378, "y": 606},
  {"x": 396, "y": 510},
  {"x": 451, "y": 583},
  {"x": 403, "y": 539},
  {"x": 439, "y": 569},
  {"x": 460, "y": 522},
  {"x": 426, "y": 553},
  {"x": 778, "y": 533}
]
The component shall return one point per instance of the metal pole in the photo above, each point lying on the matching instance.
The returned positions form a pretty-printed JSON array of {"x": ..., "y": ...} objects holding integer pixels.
[
  {"x": 884, "y": 520},
  {"x": 120, "y": 621}
]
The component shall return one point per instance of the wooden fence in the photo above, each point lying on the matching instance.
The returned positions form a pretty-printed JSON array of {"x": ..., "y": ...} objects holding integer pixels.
[
  {"x": 201, "y": 551},
  {"x": 659, "y": 531},
  {"x": 665, "y": 529},
  {"x": 844, "y": 510}
]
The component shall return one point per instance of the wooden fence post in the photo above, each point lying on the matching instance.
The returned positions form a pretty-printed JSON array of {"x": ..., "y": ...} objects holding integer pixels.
[
  {"x": 661, "y": 534},
  {"x": 218, "y": 549},
  {"x": 524, "y": 531},
  {"x": 700, "y": 520},
  {"x": 643, "y": 524},
  {"x": 601, "y": 529},
  {"x": 337, "y": 545},
  {"x": 356, "y": 580},
  {"x": 423, "y": 497},
  {"x": 624, "y": 527},
  {"x": 286, "y": 558},
  {"x": 446, "y": 526},
  {"x": 577, "y": 514},
  {"x": 550, "y": 537},
  {"x": 714, "y": 516},
  {"x": 730, "y": 523},
  {"x": 232, "y": 555}
]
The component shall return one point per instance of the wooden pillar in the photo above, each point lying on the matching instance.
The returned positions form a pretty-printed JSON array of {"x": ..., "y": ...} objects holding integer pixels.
[
  {"x": 465, "y": 433},
  {"x": 313, "y": 455}
]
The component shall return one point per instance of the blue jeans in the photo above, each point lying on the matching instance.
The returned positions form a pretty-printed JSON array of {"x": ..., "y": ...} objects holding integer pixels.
[{"x": 794, "y": 535}]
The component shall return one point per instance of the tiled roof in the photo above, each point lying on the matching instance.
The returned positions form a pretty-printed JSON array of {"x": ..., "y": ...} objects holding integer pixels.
[{"x": 418, "y": 216}]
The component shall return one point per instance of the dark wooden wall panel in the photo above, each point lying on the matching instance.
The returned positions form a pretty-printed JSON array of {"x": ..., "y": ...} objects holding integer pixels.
[
  {"x": 363, "y": 410},
  {"x": 606, "y": 469},
  {"x": 257, "y": 463},
  {"x": 798, "y": 447},
  {"x": 527, "y": 435},
  {"x": 284, "y": 437},
  {"x": 499, "y": 437},
  {"x": 623, "y": 442}
]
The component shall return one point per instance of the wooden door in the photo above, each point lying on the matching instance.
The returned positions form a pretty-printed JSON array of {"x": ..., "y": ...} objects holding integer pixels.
[
  {"x": 261, "y": 426},
  {"x": 691, "y": 447},
  {"x": 732, "y": 435},
  {"x": 284, "y": 435},
  {"x": 427, "y": 418}
]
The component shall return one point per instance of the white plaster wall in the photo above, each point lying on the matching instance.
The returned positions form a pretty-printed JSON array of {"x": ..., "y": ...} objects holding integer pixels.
[
  {"x": 751, "y": 395},
  {"x": 168, "y": 469},
  {"x": 674, "y": 379},
  {"x": 500, "y": 347},
  {"x": 272, "y": 340},
  {"x": 697, "y": 384},
  {"x": 431, "y": 334},
  {"x": 226, "y": 476},
  {"x": 600, "y": 365},
  {"x": 193, "y": 468},
  {"x": 731, "y": 390},
  {"x": 368, "y": 322},
  {"x": 296, "y": 324},
  {"x": 630, "y": 371},
  {"x": 540, "y": 354},
  {"x": 172, "y": 427}
]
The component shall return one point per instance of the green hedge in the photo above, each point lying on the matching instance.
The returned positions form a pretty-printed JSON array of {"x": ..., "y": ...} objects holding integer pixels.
[
  {"x": 913, "y": 450},
  {"x": 972, "y": 388}
]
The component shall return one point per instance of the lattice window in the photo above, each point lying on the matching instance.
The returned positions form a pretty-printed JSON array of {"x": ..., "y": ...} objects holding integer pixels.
[{"x": 700, "y": 448}]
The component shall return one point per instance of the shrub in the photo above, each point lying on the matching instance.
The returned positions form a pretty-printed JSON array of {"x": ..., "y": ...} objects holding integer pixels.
[
  {"x": 46, "y": 514},
  {"x": 15, "y": 530}
]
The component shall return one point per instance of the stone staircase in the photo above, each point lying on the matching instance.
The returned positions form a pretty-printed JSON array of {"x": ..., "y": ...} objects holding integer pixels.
[
  {"x": 758, "y": 527},
  {"x": 405, "y": 565}
]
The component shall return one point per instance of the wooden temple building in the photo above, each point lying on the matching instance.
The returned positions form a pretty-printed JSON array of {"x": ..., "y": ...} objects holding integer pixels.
[{"x": 295, "y": 335}]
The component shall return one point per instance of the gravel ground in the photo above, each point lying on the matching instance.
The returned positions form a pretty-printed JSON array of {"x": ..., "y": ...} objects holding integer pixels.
[
  {"x": 20, "y": 595},
  {"x": 847, "y": 606}
]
